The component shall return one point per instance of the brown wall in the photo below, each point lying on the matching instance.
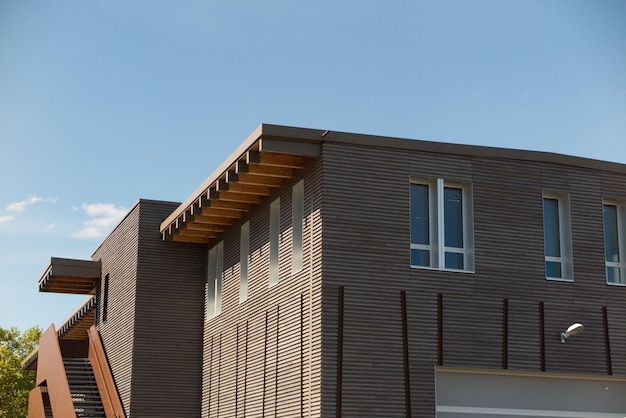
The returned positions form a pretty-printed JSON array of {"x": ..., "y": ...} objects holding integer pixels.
[
  {"x": 153, "y": 332},
  {"x": 118, "y": 253},
  {"x": 262, "y": 357},
  {"x": 366, "y": 251}
]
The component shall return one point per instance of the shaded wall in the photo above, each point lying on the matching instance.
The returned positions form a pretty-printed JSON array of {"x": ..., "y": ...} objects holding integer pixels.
[
  {"x": 505, "y": 315},
  {"x": 262, "y": 357}
]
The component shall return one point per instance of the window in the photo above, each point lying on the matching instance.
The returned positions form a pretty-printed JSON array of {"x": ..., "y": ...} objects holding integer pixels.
[
  {"x": 244, "y": 253},
  {"x": 274, "y": 235},
  {"x": 214, "y": 280},
  {"x": 614, "y": 242},
  {"x": 297, "y": 210},
  {"x": 441, "y": 225},
  {"x": 105, "y": 298},
  {"x": 557, "y": 242}
]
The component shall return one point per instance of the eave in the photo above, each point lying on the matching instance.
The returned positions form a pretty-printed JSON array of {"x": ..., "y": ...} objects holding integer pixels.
[
  {"x": 258, "y": 167},
  {"x": 75, "y": 327},
  {"x": 65, "y": 275}
]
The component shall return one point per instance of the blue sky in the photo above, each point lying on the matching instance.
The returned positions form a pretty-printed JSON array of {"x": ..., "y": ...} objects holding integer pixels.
[{"x": 103, "y": 102}]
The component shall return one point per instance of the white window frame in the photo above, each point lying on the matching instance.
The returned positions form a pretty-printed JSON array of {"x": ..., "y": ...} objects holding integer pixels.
[
  {"x": 437, "y": 248},
  {"x": 215, "y": 272},
  {"x": 297, "y": 211},
  {"x": 274, "y": 242},
  {"x": 244, "y": 257},
  {"x": 565, "y": 237},
  {"x": 621, "y": 237}
]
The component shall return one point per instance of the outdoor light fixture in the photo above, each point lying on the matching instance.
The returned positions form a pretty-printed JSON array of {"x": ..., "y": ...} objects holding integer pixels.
[{"x": 572, "y": 330}]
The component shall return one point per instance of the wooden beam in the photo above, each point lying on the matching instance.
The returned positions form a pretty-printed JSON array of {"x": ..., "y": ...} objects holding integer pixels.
[
  {"x": 231, "y": 176},
  {"x": 213, "y": 220},
  {"x": 238, "y": 197},
  {"x": 216, "y": 201},
  {"x": 250, "y": 189},
  {"x": 272, "y": 171},
  {"x": 241, "y": 166},
  {"x": 224, "y": 213},
  {"x": 281, "y": 160},
  {"x": 202, "y": 230},
  {"x": 260, "y": 180}
]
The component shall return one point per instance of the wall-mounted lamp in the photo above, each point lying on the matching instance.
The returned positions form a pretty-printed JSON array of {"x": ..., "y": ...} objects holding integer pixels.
[{"x": 572, "y": 330}]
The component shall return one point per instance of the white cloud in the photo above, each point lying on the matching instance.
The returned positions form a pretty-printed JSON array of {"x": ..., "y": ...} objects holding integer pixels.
[
  {"x": 6, "y": 218},
  {"x": 103, "y": 217},
  {"x": 21, "y": 205}
]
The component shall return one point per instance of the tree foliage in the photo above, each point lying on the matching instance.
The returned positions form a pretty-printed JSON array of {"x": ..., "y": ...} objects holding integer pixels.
[{"x": 15, "y": 383}]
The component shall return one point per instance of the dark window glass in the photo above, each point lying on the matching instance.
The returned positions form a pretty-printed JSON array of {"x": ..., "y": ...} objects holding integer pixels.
[
  {"x": 454, "y": 261},
  {"x": 420, "y": 258},
  {"x": 611, "y": 237},
  {"x": 453, "y": 217},
  {"x": 613, "y": 275},
  {"x": 551, "y": 231},
  {"x": 105, "y": 298},
  {"x": 420, "y": 222},
  {"x": 553, "y": 269}
]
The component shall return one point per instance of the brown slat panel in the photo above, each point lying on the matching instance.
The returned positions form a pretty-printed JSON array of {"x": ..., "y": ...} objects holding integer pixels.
[{"x": 290, "y": 377}]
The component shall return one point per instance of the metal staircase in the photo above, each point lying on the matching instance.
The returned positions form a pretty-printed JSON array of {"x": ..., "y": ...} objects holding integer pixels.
[{"x": 85, "y": 395}]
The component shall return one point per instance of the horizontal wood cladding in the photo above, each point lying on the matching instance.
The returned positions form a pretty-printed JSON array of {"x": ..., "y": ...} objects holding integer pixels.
[
  {"x": 152, "y": 334},
  {"x": 118, "y": 254},
  {"x": 167, "y": 367},
  {"x": 262, "y": 357},
  {"x": 505, "y": 315}
]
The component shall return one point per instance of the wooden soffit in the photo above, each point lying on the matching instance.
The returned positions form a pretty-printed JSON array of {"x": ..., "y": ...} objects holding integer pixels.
[
  {"x": 258, "y": 167},
  {"x": 64, "y": 275},
  {"x": 75, "y": 327}
]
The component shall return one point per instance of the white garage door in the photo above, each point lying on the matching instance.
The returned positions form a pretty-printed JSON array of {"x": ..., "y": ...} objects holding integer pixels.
[{"x": 477, "y": 394}]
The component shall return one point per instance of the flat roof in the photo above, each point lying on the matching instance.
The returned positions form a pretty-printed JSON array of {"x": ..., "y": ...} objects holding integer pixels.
[
  {"x": 64, "y": 275},
  {"x": 273, "y": 153}
]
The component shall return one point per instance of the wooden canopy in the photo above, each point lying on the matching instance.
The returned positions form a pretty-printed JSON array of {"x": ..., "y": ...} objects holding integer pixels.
[
  {"x": 254, "y": 171},
  {"x": 65, "y": 275}
]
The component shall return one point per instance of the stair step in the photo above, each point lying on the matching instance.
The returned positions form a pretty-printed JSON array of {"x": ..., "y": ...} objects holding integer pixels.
[{"x": 85, "y": 395}]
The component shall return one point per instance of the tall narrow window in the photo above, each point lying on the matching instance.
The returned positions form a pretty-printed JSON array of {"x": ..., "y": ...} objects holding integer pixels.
[
  {"x": 557, "y": 243},
  {"x": 274, "y": 243},
  {"x": 421, "y": 250},
  {"x": 214, "y": 280},
  {"x": 105, "y": 298},
  {"x": 244, "y": 254},
  {"x": 297, "y": 210},
  {"x": 441, "y": 225},
  {"x": 613, "y": 243}
]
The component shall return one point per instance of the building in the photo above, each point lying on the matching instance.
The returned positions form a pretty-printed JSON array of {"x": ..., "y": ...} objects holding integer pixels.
[{"x": 319, "y": 273}]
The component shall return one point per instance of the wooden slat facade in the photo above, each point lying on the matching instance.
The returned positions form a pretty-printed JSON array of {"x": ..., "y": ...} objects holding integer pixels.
[
  {"x": 357, "y": 331},
  {"x": 366, "y": 251},
  {"x": 262, "y": 356},
  {"x": 153, "y": 332}
]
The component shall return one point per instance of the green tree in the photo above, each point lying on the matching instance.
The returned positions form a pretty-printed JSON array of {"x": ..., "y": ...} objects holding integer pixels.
[{"x": 15, "y": 383}]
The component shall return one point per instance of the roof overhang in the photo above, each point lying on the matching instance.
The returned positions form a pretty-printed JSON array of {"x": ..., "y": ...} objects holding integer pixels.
[
  {"x": 273, "y": 153},
  {"x": 74, "y": 328},
  {"x": 259, "y": 166},
  {"x": 64, "y": 275}
]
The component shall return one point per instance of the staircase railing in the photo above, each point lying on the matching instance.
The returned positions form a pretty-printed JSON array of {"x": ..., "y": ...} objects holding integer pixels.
[
  {"x": 102, "y": 372},
  {"x": 36, "y": 407},
  {"x": 51, "y": 373}
]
